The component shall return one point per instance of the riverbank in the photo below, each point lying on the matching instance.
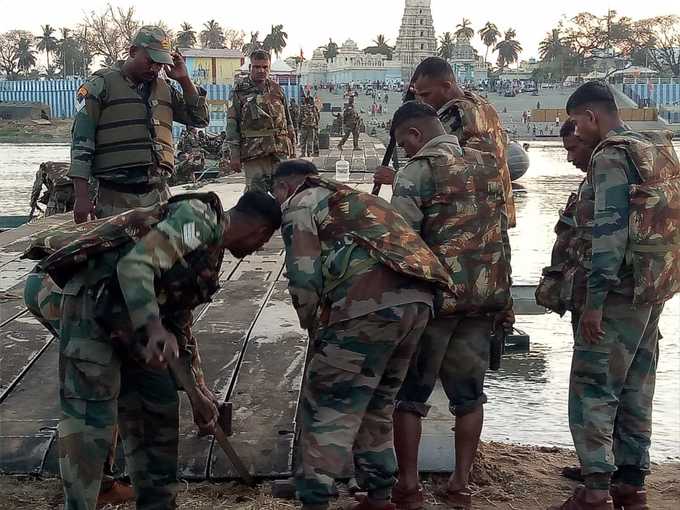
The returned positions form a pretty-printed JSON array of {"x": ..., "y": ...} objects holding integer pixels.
[
  {"x": 55, "y": 131},
  {"x": 505, "y": 476}
]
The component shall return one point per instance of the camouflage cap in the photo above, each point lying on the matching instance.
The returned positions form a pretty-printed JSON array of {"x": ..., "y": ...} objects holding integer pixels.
[{"x": 156, "y": 42}]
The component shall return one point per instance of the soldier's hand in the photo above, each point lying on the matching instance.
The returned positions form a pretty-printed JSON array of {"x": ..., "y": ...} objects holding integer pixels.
[
  {"x": 235, "y": 165},
  {"x": 591, "y": 326},
  {"x": 205, "y": 413},
  {"x": 384, "y": 175},
  {"x": 162, "y": 344},
  {"x": 505, "y": 320},
  {"x": 178, "y": 70},
  {"x": 83, "y": 210}
]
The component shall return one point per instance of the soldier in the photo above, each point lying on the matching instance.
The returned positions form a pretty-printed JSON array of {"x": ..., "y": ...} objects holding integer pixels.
[
  {"x": 122, "y": 131},
  {"x": 295, "y": 114},
  {"x": 309, "y": 128},
  {"x": 634, "y": 268},
  {"x": 187, "y": 165},
  {"x": 123, "y": 315},
  {"x": 59, "y": 195},
  {"x": 260, "y": 131},
  {"x": 362, "y": 281},
  {"x": 453, "y": 198},
  {"x": 351, "y": 122}
]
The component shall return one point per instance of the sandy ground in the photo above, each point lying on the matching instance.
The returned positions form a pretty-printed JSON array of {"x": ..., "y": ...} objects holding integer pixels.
[
  {"x": 30, "y": 132},
  {"x": 505, "y": 477}
]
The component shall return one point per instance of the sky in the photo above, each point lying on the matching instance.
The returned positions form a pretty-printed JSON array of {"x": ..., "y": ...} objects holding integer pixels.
[{"x": 309, "y": 23}]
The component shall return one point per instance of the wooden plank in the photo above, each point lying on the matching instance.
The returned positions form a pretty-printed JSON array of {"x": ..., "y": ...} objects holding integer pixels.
[
  {"x": 221, "y": 332},
  {"x": 266, "y": 392},
  {"x": 9, "y": 237}
]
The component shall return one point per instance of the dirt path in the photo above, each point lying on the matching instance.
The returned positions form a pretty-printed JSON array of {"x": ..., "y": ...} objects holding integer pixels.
[
  {"x": 58, "y": 131},
  {"x": 506, "y": 477}
]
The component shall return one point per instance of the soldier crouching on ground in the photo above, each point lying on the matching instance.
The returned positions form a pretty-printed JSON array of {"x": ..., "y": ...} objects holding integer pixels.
[
  {"x": 59, "y": 196},
  {"x": 260, "y": 131},
  {"x": 454, "y": 199},
  {"x": 122, "y": 131},
  {"x": 362, "y": 281},
  {"x": 125, "y": 311},
  {"x": 633, "y": 178}
]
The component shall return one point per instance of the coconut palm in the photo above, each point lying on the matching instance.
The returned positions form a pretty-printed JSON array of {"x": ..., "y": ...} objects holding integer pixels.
[
  {"x": 25, "y": 55},
  {"x": 276, "y": 40},
  {"x": 330, "y": 50},
  {"x": 446, "y": 45},
  {"x": 186, "y": 37},
  {"x": 463, "y": 30},
  {"x": 47, "y": 42},
  {"x": 212, "y": 36},
  {"x": 508, "y": 49},
  {"x": 254, "y": 44},
  {"x": 552, "y": 47},
  {"x": 383, "y": 46},
  {"x": 489, "y": 34}
]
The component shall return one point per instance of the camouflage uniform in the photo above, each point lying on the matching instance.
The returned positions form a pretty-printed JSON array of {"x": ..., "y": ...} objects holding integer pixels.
[
  {"x": 371, "y": 307},
  {"x": 59, "y": 196},
  {"x": 309, "y": 130},
  {"x": 102, "y": 380},
  {"x": 258, "y": 127},
  {"x": 612, "y": 382},
  {"x": 184, "y": 170},
  {"x": 351, "y": 122},
  {"x": 113, "y": 114},
  {"x": 295, "y": 110},
  {"x": 457, "y": 211}
]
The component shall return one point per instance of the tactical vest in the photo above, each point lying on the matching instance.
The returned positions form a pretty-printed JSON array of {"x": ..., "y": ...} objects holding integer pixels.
[
  {"x": 263, "y": 122},
  {"x": 476, "y": 131},
  {"x": 374, "y": 225},
  {"x": 654, "y": 217},
  {"x": 127, "y": 134},
  {"x": 462, "y": 226},
  {"x": 309, "y": 118},
  {"x": 190, "y": 282},
  {"x": 563, "y": 285}
]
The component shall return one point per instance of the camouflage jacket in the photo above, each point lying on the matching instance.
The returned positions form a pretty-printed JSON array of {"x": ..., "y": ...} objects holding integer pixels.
[
  {"x": 258, "y": 121},
  {"x": 51, "y": 174},
  {"x": 350, "y": 118},
  {"x": 309, "y": 117},
  {"x": 636, "y": 227},
  {"x": 476, "y": 124},
  {"x": 454, "y": 199},
  {"x": 92, "y": 96},
  {"x": 295, "y": 110},
  {"x": 347, "y": 255}
]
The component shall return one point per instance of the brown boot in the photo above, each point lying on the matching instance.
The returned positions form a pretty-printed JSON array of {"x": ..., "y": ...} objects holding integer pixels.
[
  {"x": 577, "y": 502},
  {"x": 117, "y": 494},
  {"x": 627, "y": 497},
  {"x": 408, "y": 500}
]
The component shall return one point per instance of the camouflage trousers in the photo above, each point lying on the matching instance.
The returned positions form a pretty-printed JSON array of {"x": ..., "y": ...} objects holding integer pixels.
[
  {"x": 60, "y": 201},
  {"x": 355, "y": 371},
  {"x": 259, "y": 173},
  {"x": 355, "y": 137},
  {"x": 309, "y": 141},
  {"x": 111, "y": 202},
  {"x": 99, "y": 388},
  {"x": 611, "y": 389}
]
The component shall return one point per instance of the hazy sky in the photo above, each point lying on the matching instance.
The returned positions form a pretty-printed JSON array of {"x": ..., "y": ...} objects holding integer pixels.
[{"x": 310, "y": 23}]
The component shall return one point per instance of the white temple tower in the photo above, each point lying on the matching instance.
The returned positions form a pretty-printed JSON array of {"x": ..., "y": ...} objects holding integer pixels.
[{"x": 416, "y": 39}]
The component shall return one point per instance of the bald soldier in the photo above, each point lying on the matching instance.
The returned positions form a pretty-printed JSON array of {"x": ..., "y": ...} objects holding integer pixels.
[{"x": 122, "y": 131}]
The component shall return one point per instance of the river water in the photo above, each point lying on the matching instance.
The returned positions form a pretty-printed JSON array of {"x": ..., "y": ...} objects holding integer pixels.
[{"x": 528, "y": 396}]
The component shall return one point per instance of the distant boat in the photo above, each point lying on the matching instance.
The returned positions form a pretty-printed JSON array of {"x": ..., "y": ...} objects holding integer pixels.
[{"x": 518, "y": 161}]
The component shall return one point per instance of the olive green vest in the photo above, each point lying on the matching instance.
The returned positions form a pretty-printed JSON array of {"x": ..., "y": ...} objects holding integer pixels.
[{"x": 127, "y": 134}]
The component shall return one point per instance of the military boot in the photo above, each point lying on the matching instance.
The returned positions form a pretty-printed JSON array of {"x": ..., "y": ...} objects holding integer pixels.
[{"x": 627, "y": 497}]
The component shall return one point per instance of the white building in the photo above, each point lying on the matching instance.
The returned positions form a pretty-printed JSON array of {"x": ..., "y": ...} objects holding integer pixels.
[{"x": 417, "y": 39}]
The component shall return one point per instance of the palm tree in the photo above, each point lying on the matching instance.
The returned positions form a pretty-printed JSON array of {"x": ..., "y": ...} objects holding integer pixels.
[
  {"x": 47, "y": 42},
  {"x": 508, "y": 49},
  {"x": 25, "y": 55},
  {"x": 446, "y": 45},
  {"x": 489, "y": 35},
  {"x": 551, "y": 48},
  {"x": 463, "y": 30},
  {"x": 186, "y": 37},
  {"x": 253, "y": 45},
  {"x": 330, "y": 50},
  {"x": 213, "y": 35},
  {"x": 276, "y": 40},
  {"x": 383, "y": 46}
]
